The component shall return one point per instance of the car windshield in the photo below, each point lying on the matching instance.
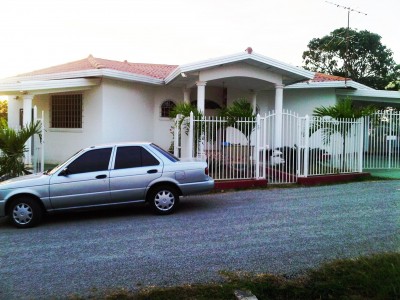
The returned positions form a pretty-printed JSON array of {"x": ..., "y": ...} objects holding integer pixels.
[
  {"x": 55, "y": 169},
  {"x": 168, "y": 155}
]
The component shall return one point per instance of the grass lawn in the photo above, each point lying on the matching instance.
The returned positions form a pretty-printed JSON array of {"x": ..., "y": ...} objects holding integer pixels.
[{"x": 372, "y": 277}]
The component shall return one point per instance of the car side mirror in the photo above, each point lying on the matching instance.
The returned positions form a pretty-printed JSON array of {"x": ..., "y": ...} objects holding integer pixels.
[{"x": 64, "y": 172}]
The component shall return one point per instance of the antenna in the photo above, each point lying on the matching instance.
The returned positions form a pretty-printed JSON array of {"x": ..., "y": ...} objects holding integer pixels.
[{"x": 349, "y": 9}]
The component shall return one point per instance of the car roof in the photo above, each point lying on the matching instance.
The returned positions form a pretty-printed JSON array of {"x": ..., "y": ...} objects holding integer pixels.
[{"x": 119, "y": 144}]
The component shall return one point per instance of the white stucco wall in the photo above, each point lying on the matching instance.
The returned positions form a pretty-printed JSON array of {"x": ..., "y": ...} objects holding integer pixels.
[
  {"x": 127, "y": 111},
  {"x": 304, "y": 101},
  {"x": 162, "y": 126},
  {"x": 299, "y": 101},
  {"x": 62, "y": 143},
  {"x": 235, "y": 94}
]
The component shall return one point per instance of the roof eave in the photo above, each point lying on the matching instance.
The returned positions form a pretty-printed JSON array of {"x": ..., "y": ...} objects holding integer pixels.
[
  {"x": 299, "y": 73},
  {"x": 46, "y": 86},
  {"x": 108, "y": 73},
  {"x": 330, "y": 84},
  {"x": 369, "y": 93}
]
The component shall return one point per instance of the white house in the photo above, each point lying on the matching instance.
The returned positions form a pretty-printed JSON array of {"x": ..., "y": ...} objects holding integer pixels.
[{"x": 94, "y": 101}]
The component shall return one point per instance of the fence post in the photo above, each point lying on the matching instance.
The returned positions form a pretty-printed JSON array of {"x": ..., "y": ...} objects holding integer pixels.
[
  {"x": 361, "y": 147},
  {"x": 257, "y": 146},
  {"x": 389, "y": 139},
  {"x": 306, "y": 144},
  {"x": 191, "y": 130},
  {"x": 176, "y": 135}
]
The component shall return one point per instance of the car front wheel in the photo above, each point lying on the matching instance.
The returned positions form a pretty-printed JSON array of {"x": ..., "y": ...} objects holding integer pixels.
[
  {"x": 25, "y": 212},
  {"x": 163, "y": 199}
]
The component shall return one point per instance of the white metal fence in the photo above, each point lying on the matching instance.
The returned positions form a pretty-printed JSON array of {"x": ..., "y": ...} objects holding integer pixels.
[
  {"x": 257, "y": 148},
  {"x": 382, "y": 140},
  {"x": 335, "y": 146}
]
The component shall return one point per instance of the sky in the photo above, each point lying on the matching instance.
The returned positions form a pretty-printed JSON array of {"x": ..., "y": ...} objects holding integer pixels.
[{"x": 36, "y": 34}]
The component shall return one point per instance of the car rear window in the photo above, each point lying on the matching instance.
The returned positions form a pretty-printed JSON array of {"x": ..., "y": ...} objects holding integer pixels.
[
  {"x": 133, "y": 157},
  {"x": 166, "y": 154}
]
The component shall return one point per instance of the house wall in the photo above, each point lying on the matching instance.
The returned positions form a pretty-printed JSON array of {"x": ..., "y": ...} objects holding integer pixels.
[
  {"x": 304, "y": 101},
  {"x": 162, "y": 126},
  {"x": 127, "y": 113},
  {"x": 299, "y": 101},
  {"x": 235, "y": 94},
  {"x": 62, "y": 143}
]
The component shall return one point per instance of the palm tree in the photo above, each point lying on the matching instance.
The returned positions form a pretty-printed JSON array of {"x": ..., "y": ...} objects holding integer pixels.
[
  {"x": 343, "y": 109},
  {"x": 239, "y": 110},
  {"x": 12, "y": 146}
]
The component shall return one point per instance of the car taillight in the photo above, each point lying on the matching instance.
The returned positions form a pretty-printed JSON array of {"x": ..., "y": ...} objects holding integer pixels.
[{"x": 206, "y": 170}]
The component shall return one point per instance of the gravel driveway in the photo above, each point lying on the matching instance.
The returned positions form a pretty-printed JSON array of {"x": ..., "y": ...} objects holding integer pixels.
[{"x": 281, "y": 231}]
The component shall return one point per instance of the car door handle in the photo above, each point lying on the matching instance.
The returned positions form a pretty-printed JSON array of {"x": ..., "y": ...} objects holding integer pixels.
[
  {"x": 152, "y": 171},
  {"x": 101, "y": 176}
]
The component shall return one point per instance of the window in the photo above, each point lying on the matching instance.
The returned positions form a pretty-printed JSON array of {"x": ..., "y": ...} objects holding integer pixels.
[
  {"x": 66, "y": 111},
  {"x": 133, "y": 157},
  {"x": 165, "y": 153},
  {"x": 91, "y": 161},
  {"x": 166, "y": 108}
]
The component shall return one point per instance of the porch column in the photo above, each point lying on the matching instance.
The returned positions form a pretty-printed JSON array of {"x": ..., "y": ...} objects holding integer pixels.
[
  {"x": 278, "y": 111},
  {"x": 254, "y": 101},
  {"x": 27, "y": 119},
  {"x": 186, "y": 95},
  {"x": 201, "y": 95},
  {"x": 13, "y": 111}
]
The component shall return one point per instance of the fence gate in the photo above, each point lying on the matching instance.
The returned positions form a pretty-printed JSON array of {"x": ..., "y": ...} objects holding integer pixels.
[
  {"x": 279, "y": 146},
  {"x": 382, "y": 140}
]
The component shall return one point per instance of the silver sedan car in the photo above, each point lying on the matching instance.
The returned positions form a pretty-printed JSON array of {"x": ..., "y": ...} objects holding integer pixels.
[{"x": 102, "y": 176}]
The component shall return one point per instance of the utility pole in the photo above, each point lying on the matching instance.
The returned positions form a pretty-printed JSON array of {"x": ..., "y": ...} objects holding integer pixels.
[{"x": 349, "y": 9}]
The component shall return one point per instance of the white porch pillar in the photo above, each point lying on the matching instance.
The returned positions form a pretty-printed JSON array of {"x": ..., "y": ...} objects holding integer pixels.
[
  {"x": 14, "y": 106},
  {"x": 186, "y": 95},
  {"x": 254, "y": 101},
  {"x": 278, "y": 111},
  {"x": 27, "y": 119},
  {"x": 201, "y": 95}
]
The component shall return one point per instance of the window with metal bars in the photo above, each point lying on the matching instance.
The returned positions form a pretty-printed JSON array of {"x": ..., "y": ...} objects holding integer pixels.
[
  {"x": 166, "y": 108},
  {"x": 66, "y": 111}
]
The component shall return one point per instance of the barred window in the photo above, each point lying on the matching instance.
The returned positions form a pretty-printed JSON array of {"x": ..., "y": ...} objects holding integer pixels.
[
  {"x": 166, "y": 108},
  {"x": 66, "y": 111}
]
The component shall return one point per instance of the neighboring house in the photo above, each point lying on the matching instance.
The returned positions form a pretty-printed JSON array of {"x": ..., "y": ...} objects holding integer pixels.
[{"x": 94, "y": 101}]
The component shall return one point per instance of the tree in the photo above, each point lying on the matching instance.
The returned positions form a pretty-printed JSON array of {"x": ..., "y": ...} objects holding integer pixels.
[
  {"x": 236, "y": 114},
  {"x": 12, "y": 146},
  {"x": 368, "y": 61}
]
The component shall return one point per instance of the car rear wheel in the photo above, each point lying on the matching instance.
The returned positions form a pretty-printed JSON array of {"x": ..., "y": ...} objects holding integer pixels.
[
  {"x": 25, "y": 212},
  {"x": 163, "y": 199}
]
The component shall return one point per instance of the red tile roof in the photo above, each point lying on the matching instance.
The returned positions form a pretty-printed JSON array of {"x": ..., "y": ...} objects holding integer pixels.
[
  {"x": 320, "y": 77},
  {"x": 158, "y": 71},
  {"x": 91, "y": 63}
]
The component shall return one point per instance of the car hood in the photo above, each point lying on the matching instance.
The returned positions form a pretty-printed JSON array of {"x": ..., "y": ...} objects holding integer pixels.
[{"x": 25, "y": 181}]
